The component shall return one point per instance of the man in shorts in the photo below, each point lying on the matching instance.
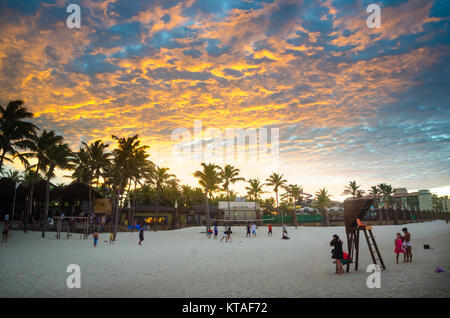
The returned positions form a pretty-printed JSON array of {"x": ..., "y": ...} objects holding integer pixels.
[
  {"x": 408, "y": 245},
  {"x": 270, "y": 230},
  {"x": 254, "y": 229}
]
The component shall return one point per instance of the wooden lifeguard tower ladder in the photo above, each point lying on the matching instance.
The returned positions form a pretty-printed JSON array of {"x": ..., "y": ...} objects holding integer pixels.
[{"x": 354, "y": 211}]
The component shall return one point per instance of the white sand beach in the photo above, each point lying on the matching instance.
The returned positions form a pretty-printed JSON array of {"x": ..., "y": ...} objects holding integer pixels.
[{"x": 184, "y": 263}]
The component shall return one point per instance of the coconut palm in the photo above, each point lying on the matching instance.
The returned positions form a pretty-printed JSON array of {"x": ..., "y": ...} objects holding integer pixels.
[
  {"x": 38, "y": 147},
  {"x": 14, "y": 130},
  {"x": 353, "y": 189},
  {"x": 229, "y": 175},
  {"x": 13, "y": 175},
  {"x": 128, "y": 154},
  {"x": 159, "y": 177},
  {"x": 386, "y": 192},
  {"x": 276, "y": 181},
  {"x": 57, "y": 155},
  {"x": 293, "y": 193},
  {"x": 375, "y": 192},
  {"x": 209, "y": 179},
  {"x": 254, "y": 191},
  {"x": 322, "y": 204}
]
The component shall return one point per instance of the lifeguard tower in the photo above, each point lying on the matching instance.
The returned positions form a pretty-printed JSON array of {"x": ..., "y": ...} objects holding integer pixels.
[{"x": 354, "y": 211}]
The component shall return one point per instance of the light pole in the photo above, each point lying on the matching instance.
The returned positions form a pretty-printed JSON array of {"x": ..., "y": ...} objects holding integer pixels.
[{"x": 176, "y": 214}]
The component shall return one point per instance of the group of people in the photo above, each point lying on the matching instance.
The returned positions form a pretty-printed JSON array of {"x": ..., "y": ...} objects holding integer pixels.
[
  {"x": 251, "y": 232},
  {"x": 402, "y": 244}
]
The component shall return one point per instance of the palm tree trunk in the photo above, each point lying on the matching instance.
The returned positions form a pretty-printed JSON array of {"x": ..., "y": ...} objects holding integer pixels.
[
  {"x": 116, "y": 213},
  {"x": 207, "y": 210},
  {"x": 133, "y": 203},
  {"x": 47, "y": 201},
  {"x": 29, "y": 208},
  {"x": 2, "y": 158},
  {"x": 325, "y": 217},
  {"x": 90, "y": 197}
]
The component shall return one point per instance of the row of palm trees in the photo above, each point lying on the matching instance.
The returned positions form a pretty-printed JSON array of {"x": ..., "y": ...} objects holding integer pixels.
[{"x": 125, "y": 174}]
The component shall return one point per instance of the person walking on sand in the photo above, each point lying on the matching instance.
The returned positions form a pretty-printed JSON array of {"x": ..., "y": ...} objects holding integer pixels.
[
  {"x": 248, "y": 230},
  {"x": 398, "y": 244},
  {"x": 141, "y": 235},
  {"x": 216, "y": 231},
  {"x": 284, "y": 230},
  {"x": 225, "y": 236},
  {"x": 254, "y": 230},
  {"x": 95, "y": 238},
  {"x": 5, "y": 233},
  {"x": 337, "y": 253},
  {"x": 269, "y": 233},
  {"x": 229, "y": 233},
  {"x": 408, "y": 245}
]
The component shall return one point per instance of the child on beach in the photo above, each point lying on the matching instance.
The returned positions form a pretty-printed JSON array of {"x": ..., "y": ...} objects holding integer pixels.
[
  {"x": 398, "y": 244},
  {"x": 337, "y": 253},
  {"x": 95, "y": 238},
  {"x": 111, "y": 235},
  {"x": 209, "y": 232},
  {"x": 248, "y": 231},
  {"x": 408, "y": 245},
  {"x": 254, "y": 229},
  {"x": 270, "y": 230},
  {"x": 216, "y": 231}
]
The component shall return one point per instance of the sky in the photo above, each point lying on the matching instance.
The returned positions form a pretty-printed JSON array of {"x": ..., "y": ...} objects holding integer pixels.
[{"x": 349, "y": 102}]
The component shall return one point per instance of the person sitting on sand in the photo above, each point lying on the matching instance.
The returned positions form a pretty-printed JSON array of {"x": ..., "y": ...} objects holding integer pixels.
[
  {"x": 285, "y": 237},
  {"x": 95, "y": 238},
  {"x": 398, "y": 242},
  {"x": 337, "y": 253},
  {"x": 408, "y": 245}
]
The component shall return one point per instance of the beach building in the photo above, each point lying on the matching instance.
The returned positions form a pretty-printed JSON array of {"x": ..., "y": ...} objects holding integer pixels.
[{"x": 420, "y": 200}]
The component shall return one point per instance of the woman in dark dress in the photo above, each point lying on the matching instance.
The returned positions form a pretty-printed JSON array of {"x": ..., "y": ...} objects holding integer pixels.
[{"x": 337, "y": 253}]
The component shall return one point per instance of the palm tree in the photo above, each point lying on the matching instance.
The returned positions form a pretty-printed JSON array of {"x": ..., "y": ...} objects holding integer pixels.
[
  {"x": 229, "y": 175},
  {"x": 375, "y": 192},
  {"x": 60, "y": 156},
  {"x": 38, "y": 147},
  {"x": 276, "y": 181},
  {"x": 15, "y": 131},
  {"x": 159, "y": 177},
  {"x": 128, "y": 154},
  {"x": 322, "y": 204},
  {"x": 143, "y": 168},
  {"x": 293, "y": 193},
  {"x": 254, "y": 191},
  {"x": 14, "y": 175},
  {"x": 386, "y": 192},
  {"x": 96, "y": 160},
  {"x": 209, "y": 179},
  {"x": 353, "y": 189}
]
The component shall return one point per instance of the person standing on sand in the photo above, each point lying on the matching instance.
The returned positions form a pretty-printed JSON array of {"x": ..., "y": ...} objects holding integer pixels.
[
  {"x": 141, "y": 235},
  {"x": 95, "y": 238},
  {"x": 270, "y": 230},
  {"x": 5, "y": 232},
  {"x": 398, "y": 244},
  {"x": 408, "y": 245},
  {"x": 216, "y": 231},
  {"x": 337, "y": 253},
  {"x": 254, "y": 230},
  {"x": 224, "y": 236},
  {"x": 248, "y": 230},
  {"x": 111, "y": 236}
]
